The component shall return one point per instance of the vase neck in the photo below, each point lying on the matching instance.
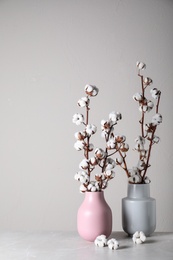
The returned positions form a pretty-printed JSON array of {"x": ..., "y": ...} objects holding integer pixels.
[
  {"x": 138, "y": 190},
  {"x": 94, "y": 196}
]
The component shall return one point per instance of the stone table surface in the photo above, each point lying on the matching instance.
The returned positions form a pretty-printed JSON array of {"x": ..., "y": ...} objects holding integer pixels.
[{"x": 68, "y": 245}]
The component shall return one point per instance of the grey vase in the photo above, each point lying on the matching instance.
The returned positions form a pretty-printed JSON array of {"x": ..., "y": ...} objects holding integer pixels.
[{"x": 138, "y": 210}]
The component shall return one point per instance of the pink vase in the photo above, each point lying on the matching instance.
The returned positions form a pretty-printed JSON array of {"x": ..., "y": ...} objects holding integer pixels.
[{"x": 94, "y": 216}]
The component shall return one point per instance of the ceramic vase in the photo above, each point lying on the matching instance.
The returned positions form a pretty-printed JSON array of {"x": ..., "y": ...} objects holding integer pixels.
[
  {"x": 138, "y": 210},
  {"x": 94, "y": 216}
]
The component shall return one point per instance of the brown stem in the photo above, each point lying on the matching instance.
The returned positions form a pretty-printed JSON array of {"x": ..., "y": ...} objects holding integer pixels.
[
  {"x": 143, "y": 96},
  {"x": 104, "y": 162},
  {"x": 125, "y": 164},
  {"x": 106, "y": 150},
  {"x": 112, "y": 153},
  {"x": 149, "y": 154},
  {"x": 158, "y": 101},
  {"x": 151, "y": 140},
  {"x": 87, "y": 120},
  {"x": 88, "y": 138}
]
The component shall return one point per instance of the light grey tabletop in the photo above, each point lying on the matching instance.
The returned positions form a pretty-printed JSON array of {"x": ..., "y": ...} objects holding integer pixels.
[{"x": 68, "y": 245}]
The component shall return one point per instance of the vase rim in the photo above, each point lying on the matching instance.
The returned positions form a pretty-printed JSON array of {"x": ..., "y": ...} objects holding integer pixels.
[
  {"x": 94, "y": 191},
  {"x": 138, "y": 184},
  {"x": 90, "y": 192}
]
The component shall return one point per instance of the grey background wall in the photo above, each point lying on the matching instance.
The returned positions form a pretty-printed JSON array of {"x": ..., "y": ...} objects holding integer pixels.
[{"x": 49, "y": 50}]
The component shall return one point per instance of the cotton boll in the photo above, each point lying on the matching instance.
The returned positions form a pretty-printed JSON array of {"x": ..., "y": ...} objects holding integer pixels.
[
  {"x": 110, "y": 174},
  {"x": 157, "y": 119},
  {"x": 143, "y": 108},
  {"x": 106, "y": 125},
  {"x": 140, "y": 65},
  {"x": 156, "y": 139},
  {"x": 113, "y": 244},
  {"x": 93, "y": 161},
  {"x": 91, "y": 90},
  {"x": 137, "y": 97},
  {"x": 124, "y": 147},
  {"x": 150, "y": 105},
  {"x": 134, "y": 179},
  {"x": 99, "y": 153},
  {"x": 82, "y": 188},
  {"x": 84, "y": 164},
  {"x": 83, "y": 102},
  {"x": 104, "y": 134},
  {"x": 90, "y": 129},
  {"x": 119, "y": 116},
  {"x": 82, "y": 176},
  {"x": 142, "y": 236},
  {"x": 140, "y": 140},
  {"x": 93, "y": 187},
  {"x": 141, "y": 165},
  {"x": 120, "y": 138},
  {"x": 135, "y": 236},
  {"x": 147, "y": 81},
  {"x": 79, "y": 145},
  {"x": 155, "y": 93},
  {"x": 139, "y": 237},
  {"x": 133, "y": 171},
  {"x": 115, "y": 116},
  {"x": 134, "y": 175},
  {"x": 78, "y": 119},
  {"x": 110, "y": 164},
  {"x": 147, "y": 180},
  {"x": 111, "y": 144},
  {"x": 80, "y": 135},
  {"x": 101, "y": 241}
]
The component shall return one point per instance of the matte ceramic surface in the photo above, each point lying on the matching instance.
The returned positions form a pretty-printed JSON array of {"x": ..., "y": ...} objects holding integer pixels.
[
  {"x": 138, "y": 210},
  {"x": 94, "y": 216}
]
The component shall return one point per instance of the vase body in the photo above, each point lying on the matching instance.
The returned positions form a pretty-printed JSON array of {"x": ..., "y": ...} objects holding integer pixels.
[
  {"x": 94, "y": 216},
  {"x": 138, "y": 210}
]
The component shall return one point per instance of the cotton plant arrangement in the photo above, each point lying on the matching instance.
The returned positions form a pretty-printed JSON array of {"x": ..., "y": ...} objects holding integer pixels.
[
  {"x": 115, "y": 144},
  {"x": 147, "y": 138},
  {"x": 101, "y": 158}
]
